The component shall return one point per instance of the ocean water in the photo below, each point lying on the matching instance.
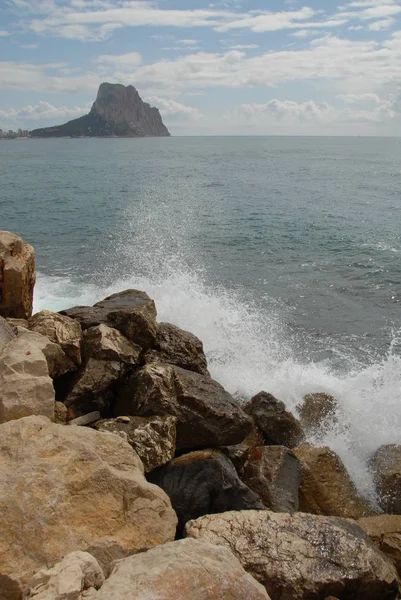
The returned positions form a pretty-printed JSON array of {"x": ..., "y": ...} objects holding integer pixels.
[{"x": 282, "y": 254}]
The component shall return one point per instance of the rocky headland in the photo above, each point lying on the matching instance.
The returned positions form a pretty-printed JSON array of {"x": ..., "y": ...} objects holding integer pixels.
[
  {"x": 128, "y": 473},
  {"x": 118, "y": 111}
]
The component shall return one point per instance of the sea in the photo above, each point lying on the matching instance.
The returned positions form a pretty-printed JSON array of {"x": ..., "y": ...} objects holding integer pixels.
[{"x": 282, "y": 254}]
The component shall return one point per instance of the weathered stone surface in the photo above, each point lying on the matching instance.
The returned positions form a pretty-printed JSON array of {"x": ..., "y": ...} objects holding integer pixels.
[
  {"x": 25, "y": 386},
  {"x": 301, "y": 556},
  {"x": 60, "y": 413},
  {"x": 203, "y": 482},
  {"x": 207, "y": 415},
  {"x": 6, "y": 333},
  {"x": 18, "y": 322},
  {"x": 326, "y": 488},
  {"x": 182, "y": 570},
  {"x": 108, "y": 344},
  {"x": 385, "y": 531},
  {"x": 386, "y": 466},
  {"x": 238, "y": 454},
  {"x": 274, "y": 473},
  {"x": 75, "y": 573},
  {"x": 317, "y": 412},
  {"x": 87, "y": 316},
  {"x": 178, "y": 347},
  {"x": 61, "y": 330},
  {"x": 87, "y": 419},
  {"x": 152, "y": 438},
  {"x": 64, "y": 489},
  {"x": 279, "y": 426},
  {"x": 17, "y": 276},
  {"x": 57, "y": 361}
]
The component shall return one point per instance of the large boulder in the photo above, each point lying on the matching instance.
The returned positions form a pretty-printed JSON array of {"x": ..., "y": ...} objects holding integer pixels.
[
  {"x": 6, "y": 333},
  {"x": 57, "y": 361},
  {"x": 61, "y": 330},
  {"x": 385, "y": 531},
  {"x": 326, "y": 488},
  {"x": 274, "y": 473},
  {"x": 182, "y": 570},
  {"x": 105, "y": 343},
  {"x": 278, "y": 425},
  {"x": 301, "y": 556},
  {"x": 64, "y": 489},
  {"x": 207, "y": 415},
  {"x": 17, "y": 276},
  {"x": 152, "y": 438},
  {"x": 25, "y": 386},
  {"x": 132, "y": 312},
  {"x": 178, "y": 347},
  {"x": 317, "y": 412},
  {"x": 386, "y": 467},
  {"x": 203, "y": 482}
]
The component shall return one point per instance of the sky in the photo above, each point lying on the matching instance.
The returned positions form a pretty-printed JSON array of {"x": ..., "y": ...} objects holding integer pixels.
[{"x": 232, "y": 67}]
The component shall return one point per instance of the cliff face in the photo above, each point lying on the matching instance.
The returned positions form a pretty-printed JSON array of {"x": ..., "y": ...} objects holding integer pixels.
[{"x": 117, "y": 111}]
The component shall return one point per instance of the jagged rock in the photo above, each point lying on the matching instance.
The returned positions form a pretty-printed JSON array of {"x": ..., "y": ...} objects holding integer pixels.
[
  {"x": 118, "y": 111},
  {"x": 326, "y": 488},
  {"x": 317, "y": 412},
  {"x": 279, "y": 426},
  {"x": 108, "y": 344},
  {"x": 207, "y": 415},
  {"x": 87, "y": 419},
  {"x": 238, "y": 454},
  {"x": 75, "y": 573},
  {"x": 61, "y": 330},
  {"x": 60, "y": 413},
  {"x": 18, "y": 322},
  {"x": 57, "y": 361},
  {"x": 71, "y": 488},
  {"x": 203, "y": 482},
  {"x": 385, "y": 531},
  {"x": 152, "y": 438},
  {"x": 178, "y": 347},
  {"x": 17, "y": 276},
  {"x": 25, "y": 386},
  {"x": 6, "y": 333},
  {"x": 182, "y": 570},
  {"x": 301, "y": 556},
  {"x": 274, "y": 474},
  {"x": 386, "y": 467},
  {"x": 87, "y": 316}
]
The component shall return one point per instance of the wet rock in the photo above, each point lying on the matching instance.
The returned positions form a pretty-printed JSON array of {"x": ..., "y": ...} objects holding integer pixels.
[
  {"x": 152, "y": 438},
  {"x": 317, "y": 412},
  {"x": 326, "y": 488},
  {"x": 61, "y": 330},
  {"x": 72, "y": 488},
  {"x": 208, "y": 416},
  {"x": 278, "y": 425},
  {"x": 386, "y": 467},
  {"x": 178, "y": 347},
  {"x": 385, "y": 531},
  {"x": 17, "y": 276},
  {"x": 274, "y": 474},
  {"x": 301, "y": 556},
  {"x": 6, "y": 333},
  {"x": 203, "y": 482},
  {"x": 108, "y": 344},
  {"x": 25, "y": 386},
  {"x": 182, "y": 570},
  {"x": 86, "y": 316}
]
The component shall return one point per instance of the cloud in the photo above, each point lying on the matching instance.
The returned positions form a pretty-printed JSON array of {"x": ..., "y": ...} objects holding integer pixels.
[
  {"x": 120, "y": 61},
  {"x": 170, "y": 107},
  {"x": 4, "y": 33},
  {"x": 31, "y": 114},
  {"x": 382, "y": 24},
  {"x": 243, "y": 46}
]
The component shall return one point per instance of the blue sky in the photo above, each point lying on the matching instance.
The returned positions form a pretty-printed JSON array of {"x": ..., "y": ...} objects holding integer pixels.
[{"x": 222, "y": 67}]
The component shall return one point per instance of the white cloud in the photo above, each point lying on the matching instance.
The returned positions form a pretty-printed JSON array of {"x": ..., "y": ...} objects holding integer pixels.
[
  {"x": 170, "y": 107},
  {"x": 188, "y": 42},
  {"x": 243, "y": 47},
  {"x": 382, "y": 24},
  {"x": 120, "y": 61},
  {"x": 43, "y": 111},
  {"x": 4, "y": 33}
]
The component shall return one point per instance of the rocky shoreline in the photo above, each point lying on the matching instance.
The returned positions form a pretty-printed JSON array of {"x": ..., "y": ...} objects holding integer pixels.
[{"x": 129, "y": 473}]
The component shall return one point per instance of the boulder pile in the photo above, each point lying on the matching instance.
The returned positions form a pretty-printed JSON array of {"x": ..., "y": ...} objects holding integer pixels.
[{"x": 127, "y": 472}]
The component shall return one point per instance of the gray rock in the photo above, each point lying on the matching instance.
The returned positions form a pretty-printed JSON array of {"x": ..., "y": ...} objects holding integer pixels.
[
  {"x": 61, "y": 330},
  {"x": 6, "y": 333},
  {"x": 386, "y": 467},
  {"x": 108, "y": 344}
]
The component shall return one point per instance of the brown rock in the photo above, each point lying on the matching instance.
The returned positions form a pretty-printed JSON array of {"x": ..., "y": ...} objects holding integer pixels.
[
  {"x": 6, "y": 333},
  {"x": 274, "y": 473},
  {"x": 326, "y": 488},
  {"x": 108, "y": 344},
  {"x": 386, "y": 466},
  {"x": 61, "y": 330},
  {"x": 279, "y": 426},
  {"x": 301, "y": 556},
  {"x": 68, "y": 488},
  {"x": 317, "y": 412},
  {"x": 207, "y": 414},
  {"x": 18, "y": 322},
  {"x": 152, "y": 438},
  {"x": 385, "y": 531},
  {"x": 182, "y": 570},
  {"x": 17, "y": 276},
  {"x": 57, "y": 361},
  {"x": 60, "y": 413}
]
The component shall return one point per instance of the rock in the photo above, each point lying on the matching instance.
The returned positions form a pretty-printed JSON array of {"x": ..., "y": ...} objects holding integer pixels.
[
  {"x": 317, "y": 412},
  {"x": 207, "y": 415},
  {"x": 6, "y": 333},
  {"x": 87, "y": 316},
  {"x": 25, "y": 386},
  {"x": 18, "y": 322},
  {"x": 385, "y": 531},
  {"x": 60, "y": 413},
  {"x": 326, "y": 488},
  {"x": 58, "y": 362},
  {"x": 118, "y": 111},
  {"x": 301, "y": 556},
  {"x": 203, "y": 482},
  {"x": 108, "y": 344},
  {"x": 152, "y": 438},
  {"x": 87, "y": 419},
  {"x": 274, "y": 474},
  {"x": 386, "y": 467},
  {"x": 17, "y": 276},
  {"x": 75, "y": 573},
  {"x": 279, "y": 426},
  {"x": 182, "y": 570},
  {"x": 61, "y": 330},
  {"x": 238, "y": 454},
  {"x": 178, "y": 347},
  {"x": 72, "y": 488}
]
